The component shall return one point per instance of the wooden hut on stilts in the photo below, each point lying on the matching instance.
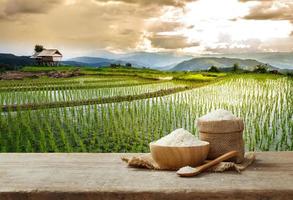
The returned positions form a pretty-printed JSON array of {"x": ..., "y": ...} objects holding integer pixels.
[{"x": 48, "y": 57}]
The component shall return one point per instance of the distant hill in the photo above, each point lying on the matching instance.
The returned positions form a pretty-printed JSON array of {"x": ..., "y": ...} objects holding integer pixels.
[
  {"x": 77, "y": 64},
  {"x": 161, "y": 61},
  {"x": 165, "y": 61},
  {"x": 203, "y": 63},
  {"x": 155, "y": 60},
  {"x": 168, "y": 60},
  {"x": 91, "y": 61},
  {"x": 10, "y": 61},
  {"x": 282, "y": 60}
]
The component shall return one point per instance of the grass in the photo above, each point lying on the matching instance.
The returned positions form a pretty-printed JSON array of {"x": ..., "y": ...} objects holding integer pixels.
[
  {"x": 199, "y": 77},
  {"x": 47, "y": 69},
  {"x": 136, "y": 72}
]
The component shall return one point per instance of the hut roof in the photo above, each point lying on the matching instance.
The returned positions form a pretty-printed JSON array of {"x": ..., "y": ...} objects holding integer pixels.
[{"x": 47, "y": 52}]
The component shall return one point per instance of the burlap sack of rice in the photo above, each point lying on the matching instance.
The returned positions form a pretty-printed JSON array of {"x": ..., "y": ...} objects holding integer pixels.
[{"x": 223, "y": 136}]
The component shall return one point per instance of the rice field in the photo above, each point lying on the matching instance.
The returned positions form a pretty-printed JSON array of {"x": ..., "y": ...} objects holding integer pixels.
[
  {"x": 72, "y": 94},
  {"x": 264, "y": 102}
]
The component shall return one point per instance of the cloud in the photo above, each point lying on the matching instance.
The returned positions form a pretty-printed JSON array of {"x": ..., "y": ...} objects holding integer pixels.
[
  {"x": 252, "y": 45},
  {"x": 85, "y": 25},
  {"x": 127, "y": 31},
  {"x": 170, "y": 41},
  {"x": 117, "y": 25},
  {"x": 226, "y": 45},
  {"x": 147, "y": 25},
  {"x": 281, "y": 44},
  {"x": 175, "y": 3},
  {"x": 271, "y": 10},
  {"x": 160, "y": 26},
  {"x": 254, "y": 0},
  {"x": 13, "y": 7}
]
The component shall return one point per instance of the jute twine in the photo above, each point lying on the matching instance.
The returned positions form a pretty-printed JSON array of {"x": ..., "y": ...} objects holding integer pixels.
[{"x": 223, "y": 136}]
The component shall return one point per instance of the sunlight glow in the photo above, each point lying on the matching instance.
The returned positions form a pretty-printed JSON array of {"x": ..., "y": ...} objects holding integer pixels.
[{"x": 207, "y": 21}]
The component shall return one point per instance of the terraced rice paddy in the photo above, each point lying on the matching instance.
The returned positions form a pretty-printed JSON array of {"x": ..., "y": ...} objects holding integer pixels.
[
  {"x": 56, "y": 95},
  {"x": 128, "y": 125}
]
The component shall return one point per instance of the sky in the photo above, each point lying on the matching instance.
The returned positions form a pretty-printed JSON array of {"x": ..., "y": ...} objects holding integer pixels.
[{"x": 194, "y": 27}]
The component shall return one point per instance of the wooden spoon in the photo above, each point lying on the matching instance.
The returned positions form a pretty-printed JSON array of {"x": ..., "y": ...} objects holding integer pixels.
[{"x": 193, "y": 171}]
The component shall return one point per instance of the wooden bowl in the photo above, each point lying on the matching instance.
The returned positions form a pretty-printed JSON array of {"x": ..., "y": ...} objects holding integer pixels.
[{"x": 173, "y": 158}]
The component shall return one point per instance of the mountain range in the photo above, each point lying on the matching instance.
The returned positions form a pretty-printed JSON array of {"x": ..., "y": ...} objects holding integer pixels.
[
  {"x": 203, "y": 63},
  {"x": 10, "y": 61},
  {"x": 161, "y": 61},
  {"x": 168, "y": 61},
  {"x": 92, "y": 61},
  {"x": 282, "y": 60}
]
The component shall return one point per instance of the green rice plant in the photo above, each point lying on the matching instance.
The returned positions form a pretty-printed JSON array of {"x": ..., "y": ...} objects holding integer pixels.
[{"x": 264, "y": 103}]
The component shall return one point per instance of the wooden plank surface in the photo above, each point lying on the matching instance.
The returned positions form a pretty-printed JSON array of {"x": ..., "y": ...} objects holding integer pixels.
[{"x": 105, "y": 176}]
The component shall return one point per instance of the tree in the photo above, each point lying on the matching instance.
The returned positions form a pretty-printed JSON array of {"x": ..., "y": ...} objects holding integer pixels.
[
  {"x": 113, "y": 65},
  {"x": 235, "y": 67},
  {"x": 128, "y": 65},
  {"x": 260, "y": 68},
  {"x": 213, "y": 69},
  {"x": 39, "y": 48}
]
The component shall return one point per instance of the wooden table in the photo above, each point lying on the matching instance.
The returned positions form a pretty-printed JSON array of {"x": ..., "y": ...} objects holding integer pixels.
[{"x": 105, "y": 176}]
